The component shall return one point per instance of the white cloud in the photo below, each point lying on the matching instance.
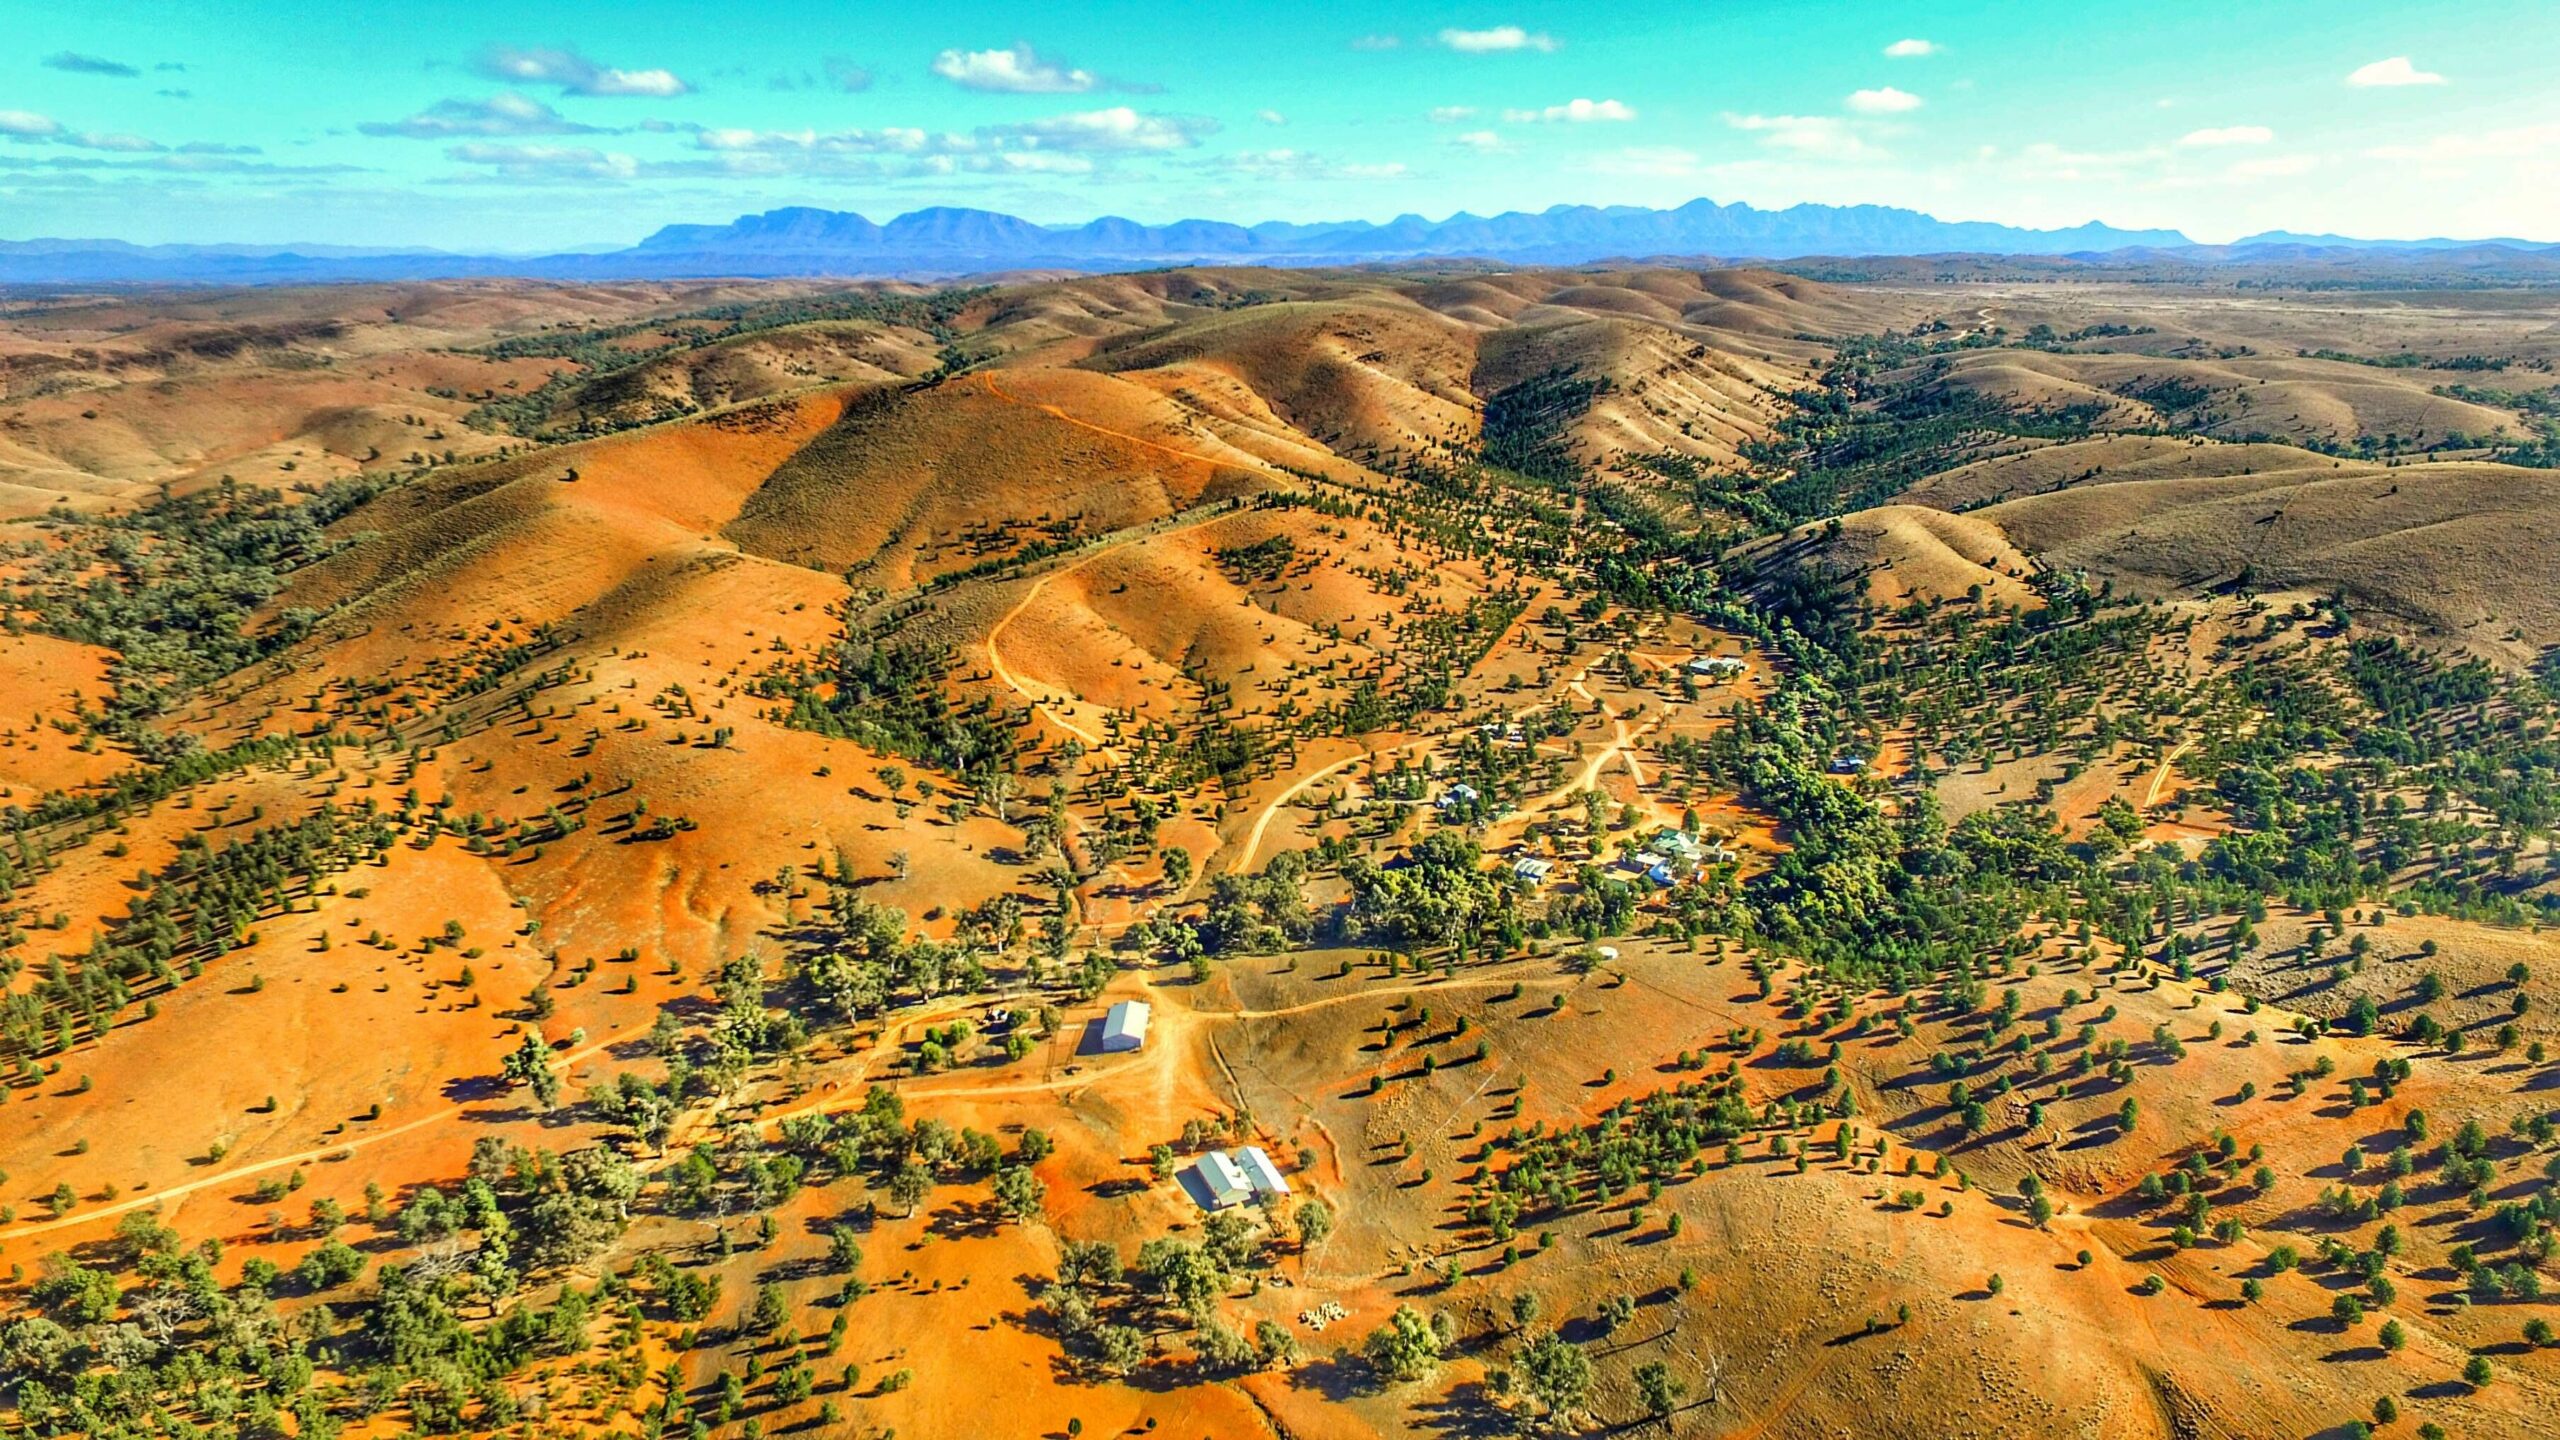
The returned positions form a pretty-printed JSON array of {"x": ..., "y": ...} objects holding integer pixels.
[
  {"x": 26, "y": 126},
  {"x": 1056, "y": 145},
  {"x": 123, "y": 144},
  {"x": 1495, "y": 40},
  {"x": 2222, "y": 135},
  {"x": 2271, "y": 167},
  {"x": 1479, "y": 140},
  {"x": 1270, "y": 117},
  {"x": 656, "y": 83},
  {"x": 1298, "y": 165},
  {"x": 1825, "y": 136},
  {"x": 1032, "y": 162},
  {"x": 1911, "y": 49},
  {"x": 545, "y": 162},
  {"x": 71, "y": 169},
  {"x": 1451, "y": 114},
  {"x": 1648, "y": 160},
  {"x": 894, "y": 140},
  {"x": 199, "y": 164},
  {"x": 733, "y": 138},
  {"x": 1118, "y": 128},
  {"x": 2522, "y": 142},
  {"x": 576, "y": 74},
  {"x": 1005, "y": 162},
  {"x": 1018, "y": 71},
  {"x": 1573, "y": 112},
  {"x": 1884, "y": 100},
  {"x": 502, "y": 114},
  {"x": 2395, "y": 71},
  {"x": 863, "y": 154},
  {"x": 2045, "y": 161}
]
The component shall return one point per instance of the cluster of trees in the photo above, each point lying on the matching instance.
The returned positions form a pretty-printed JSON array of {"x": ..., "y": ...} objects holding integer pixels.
[
  {"x": 2541, "y": 410},
  {"x": 1880, "y": 418},
  {"x": 1525, "y": 424},
  {"x": 171, "y": 588},
  {"x": 1438, "y": 894},
  {"x": 1260, "y": 913},
  {"x": 137, "y": 787},
  {"x": 873, "y": 962},
  {"x": 1649, "y": 1140},
  {"x": 197, "y": 909},
  {"x": 892, "y": 699},
  {"x": 1108, "y": 1314},
  {"x": 173, "y": 1351},
  {"x": 2386, "y": 772},
  {"x": 601, "y": 352}
]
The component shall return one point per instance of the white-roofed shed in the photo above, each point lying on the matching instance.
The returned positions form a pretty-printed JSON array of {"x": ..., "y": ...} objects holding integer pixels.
[
  {"x": 1264, "y": 1176},
  {"x": 1124, "y": 1026}
]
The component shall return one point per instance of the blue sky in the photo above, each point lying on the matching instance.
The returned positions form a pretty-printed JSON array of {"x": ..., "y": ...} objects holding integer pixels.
[{"x": 537, "y": 126}]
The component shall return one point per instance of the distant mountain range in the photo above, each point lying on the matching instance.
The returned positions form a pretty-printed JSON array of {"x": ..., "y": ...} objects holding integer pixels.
[
  {"x": 944, "y": 241},
  {"x": 818, "y": 241}
]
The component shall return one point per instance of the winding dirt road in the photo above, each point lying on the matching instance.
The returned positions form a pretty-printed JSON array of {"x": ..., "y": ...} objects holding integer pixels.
[
  {"x": 233, "y": 1175},
  {"x": 1052, "y": 700},
  {"x": 1048, "y": 700},
  {"x": 1059, "y": 413},
  {"x": 1253, "y": 837},
  {"x": 2152, "y": 796}
]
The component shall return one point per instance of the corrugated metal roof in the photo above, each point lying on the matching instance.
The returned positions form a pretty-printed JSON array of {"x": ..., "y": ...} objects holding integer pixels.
[
  {"x": 1266, "y": 1177},
  {"x": 1226, "y": 1182},
  {"x": 1126, "y": 1021}
]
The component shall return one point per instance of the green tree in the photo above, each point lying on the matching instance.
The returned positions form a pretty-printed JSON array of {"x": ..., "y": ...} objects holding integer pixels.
[
  {"x": 1021, "y": 1193},
  {"x": 1121, "y": 1347},
  {"x": 909, "y": 1186},
  {"x": 844, "y": 1249},
  {"x": 772, "y": 1311},
  {"x": 1406, "y": 1348},
  {"x": 1658, "y": 1390},
  {"x": 1525, "y": 1309},
  {"x": 529, "y": 1064},
  {"x": 1274, "y": 1345},
  {"x": 1314, "y": 1221},
  {"x": 1558, "y": 1374}
]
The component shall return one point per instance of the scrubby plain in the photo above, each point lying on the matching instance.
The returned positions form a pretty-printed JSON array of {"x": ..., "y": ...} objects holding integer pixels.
[{"x": 1768, "y": 857}]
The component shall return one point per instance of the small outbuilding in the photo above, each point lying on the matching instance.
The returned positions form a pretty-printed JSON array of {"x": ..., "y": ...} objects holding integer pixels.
[{"x": 1124, "y": 1026}]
